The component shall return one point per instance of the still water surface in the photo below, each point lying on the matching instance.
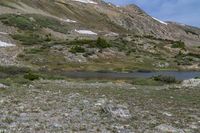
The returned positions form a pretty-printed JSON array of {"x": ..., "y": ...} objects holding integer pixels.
[{"x": 179, "y": 75}]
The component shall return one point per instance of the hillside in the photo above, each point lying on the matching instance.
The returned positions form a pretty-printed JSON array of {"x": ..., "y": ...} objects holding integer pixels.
[
  {"x": 67, "y": 32},
  {"x": 103, "y": 17}
]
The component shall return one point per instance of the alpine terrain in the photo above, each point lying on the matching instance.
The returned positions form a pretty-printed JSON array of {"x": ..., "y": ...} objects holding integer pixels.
[{"x": 91, "y": 66}]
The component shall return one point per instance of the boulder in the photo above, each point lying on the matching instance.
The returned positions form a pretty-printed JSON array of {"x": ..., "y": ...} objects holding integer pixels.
[
  {"x": 118, "y": 111},
  {"x": 191, "y": 83},
  {"x": 2, "y": 86}
]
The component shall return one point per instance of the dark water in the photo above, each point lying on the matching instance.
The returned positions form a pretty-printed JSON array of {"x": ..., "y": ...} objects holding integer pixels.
[{"x": 179, "y": 75}]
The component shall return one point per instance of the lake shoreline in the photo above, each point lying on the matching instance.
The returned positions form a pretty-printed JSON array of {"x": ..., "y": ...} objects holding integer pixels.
[{"x": 179, "y": 75}]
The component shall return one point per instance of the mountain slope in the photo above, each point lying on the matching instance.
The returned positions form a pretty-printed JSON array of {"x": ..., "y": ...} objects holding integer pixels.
[
  {"x": 63, "y": 34},
  {"x": 104, "y": 17}
]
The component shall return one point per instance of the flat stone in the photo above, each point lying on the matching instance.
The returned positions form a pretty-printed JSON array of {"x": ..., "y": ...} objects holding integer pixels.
[
  {"x": 191, "y": 83},
  {"x": 118, "y": 111}
]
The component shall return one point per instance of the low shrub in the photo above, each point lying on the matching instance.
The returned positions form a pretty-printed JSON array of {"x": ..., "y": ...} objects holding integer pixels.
[
  {"x": 99, "y": 43},
  {"x": 13, "y": 70},
  {"x": 194, "y": 55},
  {"x": 29, "y": 38},
  {"x": 82, "y": 42},
  {"x": 31, "y": 76},
  {"x": 34, "y": 50},
  {"x": 48, "y": 38},
  {"x": 20, "y": 80},
  {"x": 102, "y": 43},
  {"x": 165, "y": 79},
  {"x": 178, "y": 44},
  {"x": 77, "y": 49}
]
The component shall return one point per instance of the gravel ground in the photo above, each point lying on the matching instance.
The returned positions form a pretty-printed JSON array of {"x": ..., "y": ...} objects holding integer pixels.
[
  {"x": 61, "y": 106},
  {"x": 46, "y": 111}
]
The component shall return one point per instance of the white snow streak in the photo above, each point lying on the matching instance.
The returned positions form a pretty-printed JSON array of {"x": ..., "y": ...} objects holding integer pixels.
[
  {"x": 4, "y": 44},
  {"x": 68, "y": 20},
  {"x": 86, "y": 1},
  {"x": 160, "y": 21},
  {"x": 87, "y": 32}
]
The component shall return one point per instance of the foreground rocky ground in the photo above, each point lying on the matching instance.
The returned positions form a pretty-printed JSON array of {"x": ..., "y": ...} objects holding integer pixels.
[{"x": 61, "y": 106}]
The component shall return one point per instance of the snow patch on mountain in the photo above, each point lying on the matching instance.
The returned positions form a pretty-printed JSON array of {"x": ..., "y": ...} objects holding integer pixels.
[
  {"x": 87, "y": 32},
  {"x": 5, "y": 44},
  {"x": 162, "y": 22},
  {"x": 86, "y": 1},
  {"x": 68, "y": 20}
]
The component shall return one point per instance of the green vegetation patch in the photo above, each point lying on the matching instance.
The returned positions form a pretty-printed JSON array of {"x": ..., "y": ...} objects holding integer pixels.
[
  {"x": 51, "y": 23},
  {"x": 30, "y": 38},
  {"x": 165, "y": 79},
  {"x": 146, "y": 81},
  {"x": 178, "y": 44},
  {"x": 102, "y": 43},
  {"x": 18, "y": 21},
  {"x": 82, "y": 42},
  {"x": 77, "y": 49},
  {"x": 13, "y": 70},
  {"x": 195, "y": 55},
  {"x": 31, "y": 76},
  {"x": 187, "y": 59},
  {"x": 6, "y": 5},
  {"x": 13, "y": 74},
  {"x": 34, "y": 51},
  {"x": 23, "y": 75},
  {"x": 34, "y": 22},
  {"x": 99, "y": 43}
]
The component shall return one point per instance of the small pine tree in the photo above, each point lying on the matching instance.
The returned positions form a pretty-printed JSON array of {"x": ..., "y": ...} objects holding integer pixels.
[
  {"x": 102, "y": 43},
  {"x": 31, "y": 76}
]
